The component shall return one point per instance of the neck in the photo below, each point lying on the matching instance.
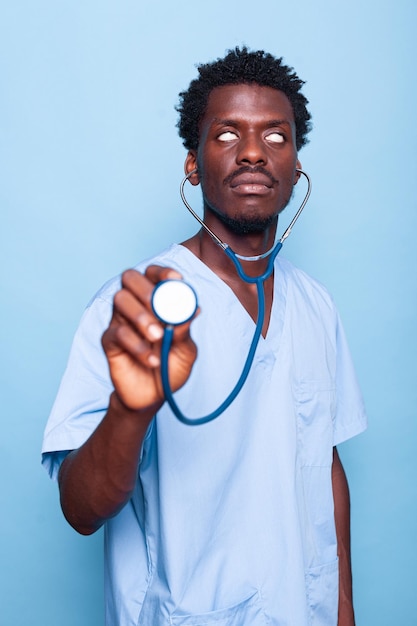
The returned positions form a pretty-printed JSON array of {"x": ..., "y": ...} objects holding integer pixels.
[{"x": 250, "y": 245}]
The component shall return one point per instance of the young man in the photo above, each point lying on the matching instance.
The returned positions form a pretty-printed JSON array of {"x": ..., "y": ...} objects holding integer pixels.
[{"x": 244, "y": 520}]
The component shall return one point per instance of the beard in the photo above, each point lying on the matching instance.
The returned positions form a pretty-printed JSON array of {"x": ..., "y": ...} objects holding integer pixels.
[{"x": 246, "y": 225}]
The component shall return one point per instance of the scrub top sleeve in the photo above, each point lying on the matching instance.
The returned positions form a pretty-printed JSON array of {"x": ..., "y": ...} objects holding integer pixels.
[
  {"x": 83, "y": 395},
  {"x": 350, "y": 416}
]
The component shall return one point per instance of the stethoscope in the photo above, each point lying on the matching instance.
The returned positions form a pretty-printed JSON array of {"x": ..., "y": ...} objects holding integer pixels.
[{"x": 175, "y": 302}]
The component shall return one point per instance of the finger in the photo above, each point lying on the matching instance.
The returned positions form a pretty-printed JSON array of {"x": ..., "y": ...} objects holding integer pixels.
[
  {"x": 142, "y": 285},
  {"x": 122, "y": 338},
  {"x": 157, "y": 273},
  {"x": 137, "y": 315},
  {"x": 138, "y": 284}
]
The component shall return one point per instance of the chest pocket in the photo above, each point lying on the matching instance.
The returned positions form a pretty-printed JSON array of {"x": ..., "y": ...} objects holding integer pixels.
[
  {"x": 315, "y": 405},
  {"x": 315, "y": 410}
]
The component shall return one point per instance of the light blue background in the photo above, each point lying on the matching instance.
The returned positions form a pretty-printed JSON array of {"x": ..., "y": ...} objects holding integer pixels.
[{"x": 90, "y": 165}]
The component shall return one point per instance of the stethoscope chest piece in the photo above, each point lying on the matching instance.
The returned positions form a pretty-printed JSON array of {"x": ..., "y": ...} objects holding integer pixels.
[{"x": 174, "y": 302}]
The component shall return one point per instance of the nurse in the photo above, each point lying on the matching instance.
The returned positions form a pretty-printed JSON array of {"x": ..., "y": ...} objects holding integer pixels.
[{"x": 244, "y": 520}]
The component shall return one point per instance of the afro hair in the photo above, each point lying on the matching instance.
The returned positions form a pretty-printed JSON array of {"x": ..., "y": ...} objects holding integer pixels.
[{"x": 237, "y": 67}]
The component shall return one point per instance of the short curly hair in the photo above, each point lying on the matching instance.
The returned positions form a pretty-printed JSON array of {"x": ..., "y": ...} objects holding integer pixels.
[{"x": 237, "y": 67}]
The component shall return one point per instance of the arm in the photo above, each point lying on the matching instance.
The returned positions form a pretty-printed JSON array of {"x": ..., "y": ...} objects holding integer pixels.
[
  {"x": 342, "y": 521},
  {"x": 97, "y": 480}
]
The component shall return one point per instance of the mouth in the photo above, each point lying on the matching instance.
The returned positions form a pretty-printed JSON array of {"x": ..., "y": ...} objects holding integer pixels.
[
  {"x": 257, "y": 184},
  {"x": 256, "y": 181}
]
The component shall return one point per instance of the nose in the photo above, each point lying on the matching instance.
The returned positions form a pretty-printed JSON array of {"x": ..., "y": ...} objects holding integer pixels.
[{"x": 251, "y": 150}]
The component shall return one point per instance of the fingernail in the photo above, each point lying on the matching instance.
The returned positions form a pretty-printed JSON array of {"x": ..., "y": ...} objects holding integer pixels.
[
  {"x": 153, "y": 360},
  {"x": 155, "y": 331},
  {"x": 174, "y": 274}
]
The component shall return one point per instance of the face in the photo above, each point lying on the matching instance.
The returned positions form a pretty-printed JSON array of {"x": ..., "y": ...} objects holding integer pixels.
[{"x": 246, "y": 158}]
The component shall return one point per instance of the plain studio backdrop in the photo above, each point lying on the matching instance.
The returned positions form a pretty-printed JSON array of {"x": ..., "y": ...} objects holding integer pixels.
[{"x": 90, "y": 165}]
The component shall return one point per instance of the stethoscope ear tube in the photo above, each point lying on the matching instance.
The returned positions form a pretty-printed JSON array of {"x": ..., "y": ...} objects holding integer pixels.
[
  {"x": 224, "y": 245},
  {"x": 288, "y": 230}
]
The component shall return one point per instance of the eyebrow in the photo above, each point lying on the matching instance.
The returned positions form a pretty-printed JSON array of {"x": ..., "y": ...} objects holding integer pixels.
[{"x": 269, "y": 123}]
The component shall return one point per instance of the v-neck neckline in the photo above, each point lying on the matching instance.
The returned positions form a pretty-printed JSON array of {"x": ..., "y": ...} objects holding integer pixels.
[{"x": 277, "y": 314}]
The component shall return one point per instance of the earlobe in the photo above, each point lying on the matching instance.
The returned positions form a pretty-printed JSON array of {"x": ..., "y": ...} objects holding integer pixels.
[
  {"x": 190, "y": 168},
  {"x": 297, "y": 174}
]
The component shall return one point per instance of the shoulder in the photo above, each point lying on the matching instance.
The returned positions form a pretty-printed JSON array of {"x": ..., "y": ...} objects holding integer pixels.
[
  {"x": 302, "y": 286},
  {"x": 104, "y": 296}
]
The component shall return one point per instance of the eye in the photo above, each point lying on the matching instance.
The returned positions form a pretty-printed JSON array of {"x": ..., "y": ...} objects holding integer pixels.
[
  {"x": 275, "y": 137},
  {"x": 227, "y": 135}
]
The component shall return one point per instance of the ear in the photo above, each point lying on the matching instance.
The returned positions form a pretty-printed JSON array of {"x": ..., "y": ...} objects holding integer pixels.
[
  {"x": 297, "y": 174},
  {"x": 190, "y": 165}
]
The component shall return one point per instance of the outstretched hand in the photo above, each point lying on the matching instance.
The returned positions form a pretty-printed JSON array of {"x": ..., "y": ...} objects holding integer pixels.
[{"x": 132, "y": 342}]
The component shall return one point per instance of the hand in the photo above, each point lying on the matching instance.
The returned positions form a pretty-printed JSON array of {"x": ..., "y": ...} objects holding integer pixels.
[{"x": 132, "y": 342}]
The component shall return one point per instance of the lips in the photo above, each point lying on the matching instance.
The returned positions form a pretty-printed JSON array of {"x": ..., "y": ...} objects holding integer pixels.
[
  {"x": 251, "y": 180},
  {"x": 251, "y": 184}
]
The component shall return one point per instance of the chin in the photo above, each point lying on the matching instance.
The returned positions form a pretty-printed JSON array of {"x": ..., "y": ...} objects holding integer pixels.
[{"x": 248, "y": 226}]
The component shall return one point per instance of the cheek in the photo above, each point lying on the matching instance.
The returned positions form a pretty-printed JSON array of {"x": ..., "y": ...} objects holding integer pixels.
[
  {"x": 211, "y": 178},
  {"x": 210, "y": 190},
  {"x": 289, "y": 175}
]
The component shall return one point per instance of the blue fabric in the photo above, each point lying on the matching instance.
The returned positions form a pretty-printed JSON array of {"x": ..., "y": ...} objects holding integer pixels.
[{"x": 232, "y": 522}]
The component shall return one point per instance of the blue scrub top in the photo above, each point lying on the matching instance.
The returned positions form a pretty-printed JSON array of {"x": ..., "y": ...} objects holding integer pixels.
[{"x": 231, "y": 523}]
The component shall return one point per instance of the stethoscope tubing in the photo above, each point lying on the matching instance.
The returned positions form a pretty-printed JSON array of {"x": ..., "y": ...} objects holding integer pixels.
[
  {"x": 165, "y": 348},
  {"x": 259, "y": 281}
]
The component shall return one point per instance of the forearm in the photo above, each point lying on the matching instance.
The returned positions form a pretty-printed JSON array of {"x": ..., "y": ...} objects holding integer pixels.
[
  {"x": 342, "y": 521},
  {"x": 97, "y": 480}
]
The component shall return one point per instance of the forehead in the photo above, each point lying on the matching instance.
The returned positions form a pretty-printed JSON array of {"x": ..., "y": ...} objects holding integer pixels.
[{"x": 246, "y": 102}]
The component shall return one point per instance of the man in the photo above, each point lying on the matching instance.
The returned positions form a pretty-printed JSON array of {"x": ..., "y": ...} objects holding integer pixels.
[{"x": 244, "y": 520}]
